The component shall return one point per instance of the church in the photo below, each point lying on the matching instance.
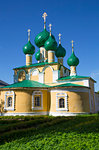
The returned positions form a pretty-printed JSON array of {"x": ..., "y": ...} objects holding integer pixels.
[{"x": 48, "y": 87}]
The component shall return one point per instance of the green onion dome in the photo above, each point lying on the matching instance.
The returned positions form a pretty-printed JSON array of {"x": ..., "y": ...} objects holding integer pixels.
[
  {"x": 29, "y": 48},
  {"x": 37, "y": 55},
  {"x": 50, "y": 44},
  {"x": 73, "y": 60},
  {"x": 41, "y": 38},
  {"x": 60, "y": 52}
]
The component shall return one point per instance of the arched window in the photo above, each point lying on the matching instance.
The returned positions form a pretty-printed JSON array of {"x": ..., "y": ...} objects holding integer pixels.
[
  {"x": 37, "y": 100},
  {"x": 61, "y": 103},
  {"x": 9, "y": 102}
]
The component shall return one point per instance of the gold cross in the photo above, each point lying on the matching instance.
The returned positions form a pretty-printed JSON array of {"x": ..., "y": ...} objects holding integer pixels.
[
  {"x": 59, "y": 38},
  {"x": 72, "y": 43},
  {"x": 29, "y": 34},
  {"x": 50, "y": 25},
  {"x": 44, "y": 16}
]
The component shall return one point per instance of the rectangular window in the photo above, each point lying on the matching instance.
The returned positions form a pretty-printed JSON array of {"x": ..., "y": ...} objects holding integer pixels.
[
  {"x": 37, "y": 101},
  {"x": 9, "y": 101},
  {"x": 61, "y": 103}
]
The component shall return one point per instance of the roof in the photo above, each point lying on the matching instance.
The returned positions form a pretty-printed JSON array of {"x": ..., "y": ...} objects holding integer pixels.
[
  {"x": 75, "y": 78},
  {"x": 69, "y": 84},
  {"x": 36, "y": 64},
  {"x": 2, "y": 83},
  {"x": 39, "y": 64},
  {"x": 35, "y": 84},
  {"x": 26, "y": 83}
]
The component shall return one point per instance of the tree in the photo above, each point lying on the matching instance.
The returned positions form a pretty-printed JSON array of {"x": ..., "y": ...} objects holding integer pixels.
[{"x": 2, "y": 107}]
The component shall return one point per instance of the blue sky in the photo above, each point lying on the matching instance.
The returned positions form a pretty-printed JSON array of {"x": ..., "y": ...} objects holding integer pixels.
[{"x": 76, "y": 20}]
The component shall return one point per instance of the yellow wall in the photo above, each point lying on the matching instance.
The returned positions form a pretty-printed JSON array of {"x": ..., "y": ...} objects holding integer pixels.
[
  {"x": 92, "y": 98},
  {"x": 23, "y": 101},
  {"x": 50, "y": 56},
  {"x": 77, "y": 101},
  {"x": 34, "y": 75},
  {"x": 48, "y": 75},
  {"x": 28, "y": 59}
]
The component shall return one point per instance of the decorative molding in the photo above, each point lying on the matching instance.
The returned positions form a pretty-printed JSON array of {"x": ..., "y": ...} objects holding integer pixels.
[
  {"x": 28, "y": 54},
  {"x": 50, "y": 51},
  {"x": 64, "y": 96},
  {"x": 37, "y": 93},
  {"x": 9, "y": 93}
]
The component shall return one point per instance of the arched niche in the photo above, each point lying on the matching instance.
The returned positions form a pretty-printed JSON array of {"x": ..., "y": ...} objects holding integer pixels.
[
  {"x": 21, "y": 75},
  {"x": 48, "y": 74},
  {"x": 34, "y": 74}
]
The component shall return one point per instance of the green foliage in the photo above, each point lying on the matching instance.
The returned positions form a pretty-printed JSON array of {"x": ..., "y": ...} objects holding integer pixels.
[{"x": 56, "y": 133}]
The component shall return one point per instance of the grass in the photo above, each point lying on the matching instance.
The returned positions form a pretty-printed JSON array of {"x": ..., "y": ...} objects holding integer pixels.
[{"x": 49, "y": 133}]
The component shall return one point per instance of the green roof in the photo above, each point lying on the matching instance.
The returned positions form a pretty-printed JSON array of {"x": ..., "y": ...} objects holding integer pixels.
[
  {"x": 60, "y": 52},
  {"x": 73, "y": 77},
  {"x": 29, "y": 48},
  {"x": 36, "y": 64},
  {"x": 35, "y": 84},
  {"x": 26, "y": 83},
  {"x": 50, "y": 44},
  {"x": 73, "y": 60},
  {"x": 68, "y": 84}
]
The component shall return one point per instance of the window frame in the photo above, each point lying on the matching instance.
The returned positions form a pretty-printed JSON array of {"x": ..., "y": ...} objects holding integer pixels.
[
  {"x": 58, "y": 97},
  {"x": 7, "y": 95},
  {"x": 37, "y": 94}
]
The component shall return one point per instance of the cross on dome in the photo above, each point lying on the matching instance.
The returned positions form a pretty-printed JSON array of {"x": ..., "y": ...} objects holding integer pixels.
[
  {"x": 50, "y": 25},
  {"x": 59, "y": 38},
  {"x": 44, "y": 16},
  {"x": 29, "y": 34},
  {"x": 72, "y": 45}
]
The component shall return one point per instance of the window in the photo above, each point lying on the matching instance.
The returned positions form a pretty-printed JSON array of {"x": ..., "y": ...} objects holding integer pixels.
[
  {"x": 37, "y": 100},
  {"x": 61, "y": 103},
  {"x": 9, "y": 101}
]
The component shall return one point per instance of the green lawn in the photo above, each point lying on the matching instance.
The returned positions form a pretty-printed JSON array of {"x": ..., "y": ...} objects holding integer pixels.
[{"x": 49, "y": 133}]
